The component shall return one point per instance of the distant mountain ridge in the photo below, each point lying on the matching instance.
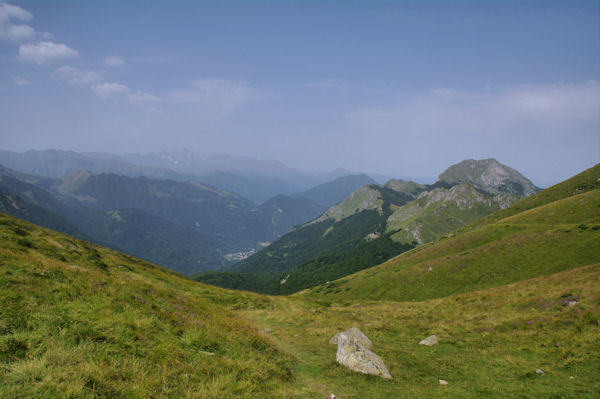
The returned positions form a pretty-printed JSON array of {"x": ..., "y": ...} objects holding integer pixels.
[
  {"x": 187, "y": 226},
  {"x": 374, "y": 222},
  {"x": 490, "y": 176},
  {"x": 330, "y": 193}
]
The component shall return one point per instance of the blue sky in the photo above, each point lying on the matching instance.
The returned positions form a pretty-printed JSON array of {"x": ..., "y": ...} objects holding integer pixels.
[{"x": 395, "y": 87}]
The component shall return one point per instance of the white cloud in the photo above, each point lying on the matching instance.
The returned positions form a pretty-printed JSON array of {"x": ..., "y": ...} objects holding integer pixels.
[
  {"x": 118, "y": 91},
  {"x": 440, "y": 112},
  {"x": 114, "y": 61},
  {"x": 139, "y": 97},
  {"x": 110, "y": 90},
  {"x": 15, "y": 32},
  {"x": 220, "y": 97},
  {"x": 76, "y": 77},
  {"x": 20, "y": 81},
  {"x": 45, "y": 53},
  {"x": 9, "y": 11}
]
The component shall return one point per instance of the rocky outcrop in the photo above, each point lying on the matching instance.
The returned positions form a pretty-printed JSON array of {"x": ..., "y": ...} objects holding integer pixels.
[
  {"x": 352, "y": 353},
  {"x": 490, "y": 176}
]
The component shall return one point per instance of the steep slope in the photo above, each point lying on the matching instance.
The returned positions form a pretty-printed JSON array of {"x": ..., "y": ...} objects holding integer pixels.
[
  {"x": 441, "y": 210},
  {"x": 81, "y": 321},
  {"x": 371, "y": 225},
  {"x": 185, "y": 226},
  {"x": 349, "y": 237},
  {"x": 134, "y": 231},
  {"x": 555, "y": 230},
  {"x": 490, "y": 176},
  {"x": 282, "y": 213},
  {"x": 330, "y": 193}
]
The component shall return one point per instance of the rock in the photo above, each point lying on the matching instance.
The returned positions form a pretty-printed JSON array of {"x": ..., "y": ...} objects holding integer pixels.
[
  {"x": 539, "y": 371},
  {"x": 430, "y": 341},
  {"x": 354, "y": 334},
  {"x": 332, "y": 396},
  {"x": 443, "y": 382},
  {"x": 572, "y": 303},
  {"x": 352, "y": 354}
]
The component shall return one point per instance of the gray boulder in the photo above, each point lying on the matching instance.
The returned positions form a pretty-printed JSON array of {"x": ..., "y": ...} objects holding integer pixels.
[
  {"x": 429, "y": 341},
  {"x": 355, "y": 334},
  {"x": 354, "y": 355}
]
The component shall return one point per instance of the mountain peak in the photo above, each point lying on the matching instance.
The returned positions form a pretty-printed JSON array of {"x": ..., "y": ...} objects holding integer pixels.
[{"x": 489, "y": 175}]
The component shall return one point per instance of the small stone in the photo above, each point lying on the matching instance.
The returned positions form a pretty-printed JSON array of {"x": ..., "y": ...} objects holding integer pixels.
[
  {"x": 572, "y": 303},
  {"x": 332, "y": 396},
  {"x": 443, "y": 382},
  {"x": 430, "y": 269},
  {"x": 539, "y": 371},
  {"x": 571, "y": 378},
  {"x": 429, "y": 341}
]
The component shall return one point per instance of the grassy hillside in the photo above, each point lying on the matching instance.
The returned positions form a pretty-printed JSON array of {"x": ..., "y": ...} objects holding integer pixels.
[
  {"x": 349, "y": 237},
  {"x": 491, "y": 342},
  {"x": 550, "y": 232},
  {"x": 330, "y": 193},
  {"x": 78, "y": 321}
]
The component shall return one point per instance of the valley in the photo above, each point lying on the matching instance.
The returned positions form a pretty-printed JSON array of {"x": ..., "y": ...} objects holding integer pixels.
[{"x": 87, "y": 321}]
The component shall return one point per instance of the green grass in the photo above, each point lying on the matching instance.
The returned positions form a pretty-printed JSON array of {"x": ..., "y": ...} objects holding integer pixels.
[
  {"x": 536, "y": 237},
  {"x": 491, "y": 342},
  {"x": 78, "y": 321}
]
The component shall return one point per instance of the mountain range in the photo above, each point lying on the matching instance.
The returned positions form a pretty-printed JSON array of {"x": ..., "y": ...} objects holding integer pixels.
[
  {"x": 375, "y": 223},
  {"x": 514, "y": 296}
]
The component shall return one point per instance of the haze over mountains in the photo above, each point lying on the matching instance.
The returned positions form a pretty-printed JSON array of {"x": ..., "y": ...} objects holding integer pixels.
[
  {"x": 375, "y": 223},
  {"x": 79, "y": 317},
  {"x": 183, "y": 222},
  {"x": 346, "y": 224}
]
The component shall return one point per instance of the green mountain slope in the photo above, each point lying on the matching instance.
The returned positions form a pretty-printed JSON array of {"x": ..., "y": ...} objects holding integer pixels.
[
  {"x": 441, "y": 210},
  {"x": 323, "y": 249},
  {"x": 133, "y": 231},
  {"x": 330, "y": 193},
  {"x": 185, "y": 226},
  {"x": 490, "y": 176},
  {"x": 84, "y": 322},
  {"x": 559, "y": 230},
  {"x": 81, "y": 321},
  {"x": 371, "y": 225}
]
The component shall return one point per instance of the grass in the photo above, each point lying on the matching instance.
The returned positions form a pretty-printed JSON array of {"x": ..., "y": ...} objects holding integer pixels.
[
  {"x": 78, "y": 321},
  {"x": 491, "y": 341},
  {"x": 559, "y": 233},
  {"x": 516, "y": 294}
]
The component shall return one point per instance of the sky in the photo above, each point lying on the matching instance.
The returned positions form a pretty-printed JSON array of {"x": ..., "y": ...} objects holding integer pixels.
[{"x": 391, "y": 87}]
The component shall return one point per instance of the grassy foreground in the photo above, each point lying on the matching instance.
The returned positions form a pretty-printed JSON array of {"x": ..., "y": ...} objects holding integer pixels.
[
  {"x": 491, "y": 342},
  {"x": 79, "y": 321}
]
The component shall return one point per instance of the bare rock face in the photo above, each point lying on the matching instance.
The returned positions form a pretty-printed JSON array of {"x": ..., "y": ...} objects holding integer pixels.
[
  {"x": 355, "y": 334},
  {"x": 354, "y": 355}
]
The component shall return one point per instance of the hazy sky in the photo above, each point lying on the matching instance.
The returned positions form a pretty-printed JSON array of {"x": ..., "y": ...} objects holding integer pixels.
[{"x": 397, "y": 87}]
